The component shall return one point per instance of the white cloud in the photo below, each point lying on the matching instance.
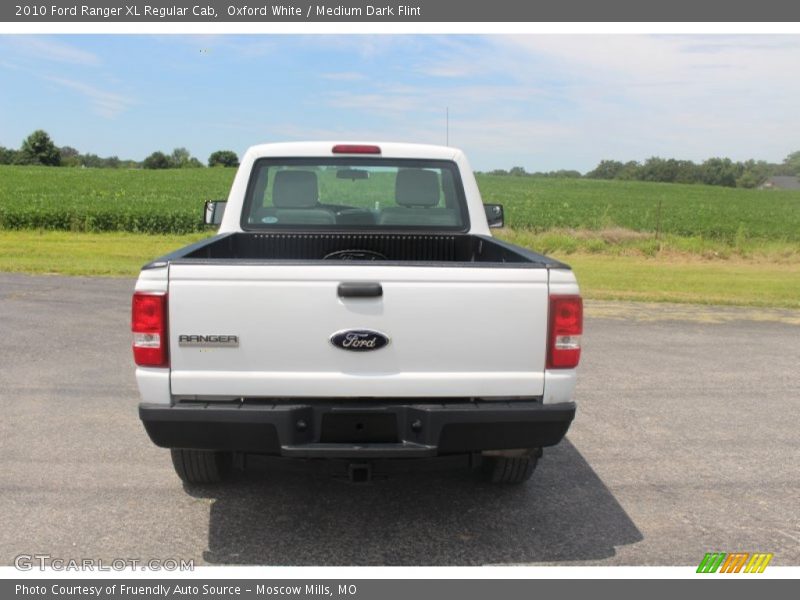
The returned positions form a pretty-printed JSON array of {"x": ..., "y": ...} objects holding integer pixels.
[
  {"x": 660, "y": 59},
  {"x": 682, "y": 96},
  {"x": 406, "y": 101},
  {"x": 542, "y": 101},
  {"x": 567, "y": 101},
  {"x": 344, "y": 76},
  {"x": 43, "y": 48},
  {"x": 361, "y": 47},
  {"x": 106, "y": 104},
  {"x": 387, "y": 102}
]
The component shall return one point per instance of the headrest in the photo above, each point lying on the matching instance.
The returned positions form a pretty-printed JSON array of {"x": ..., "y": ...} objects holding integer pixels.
[
  {"x": 295, "y": 189},
  {"x": 416, "y": 187}
]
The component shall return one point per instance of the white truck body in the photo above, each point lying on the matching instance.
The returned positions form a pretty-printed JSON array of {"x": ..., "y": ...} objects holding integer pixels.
[{"x": 455, "y": 331}]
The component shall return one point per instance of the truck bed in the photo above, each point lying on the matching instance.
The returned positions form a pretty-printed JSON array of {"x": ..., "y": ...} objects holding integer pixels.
[{"x": 384, "y": 248}]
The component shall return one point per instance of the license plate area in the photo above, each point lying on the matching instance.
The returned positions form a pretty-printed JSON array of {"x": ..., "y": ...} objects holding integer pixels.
[{"x": 352, "y": 428}]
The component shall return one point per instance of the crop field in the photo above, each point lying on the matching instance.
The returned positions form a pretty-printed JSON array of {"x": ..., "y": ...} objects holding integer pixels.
[
  {"x": 170, "y": 202},
  {"x": 625, "y": 240},
  {"x": 718, "y": 213},
  {"x": 94, "y": 200}
]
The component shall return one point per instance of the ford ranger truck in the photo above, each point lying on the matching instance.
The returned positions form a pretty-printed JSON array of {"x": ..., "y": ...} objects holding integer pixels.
[{"x": 353, "y": 305}]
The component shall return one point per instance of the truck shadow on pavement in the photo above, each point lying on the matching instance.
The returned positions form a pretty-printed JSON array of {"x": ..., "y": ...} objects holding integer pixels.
[{"x": 290, "y": 517}]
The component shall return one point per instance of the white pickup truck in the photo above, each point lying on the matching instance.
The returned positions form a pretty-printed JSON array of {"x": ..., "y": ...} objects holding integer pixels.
[{"x": 354, "y": 306}]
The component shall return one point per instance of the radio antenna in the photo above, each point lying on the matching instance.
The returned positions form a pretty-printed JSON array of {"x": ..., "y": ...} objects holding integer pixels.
[{"x": 447, "y": 125}]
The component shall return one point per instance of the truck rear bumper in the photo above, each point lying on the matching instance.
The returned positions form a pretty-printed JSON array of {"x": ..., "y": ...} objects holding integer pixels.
[{"x": 327, "y": 430}]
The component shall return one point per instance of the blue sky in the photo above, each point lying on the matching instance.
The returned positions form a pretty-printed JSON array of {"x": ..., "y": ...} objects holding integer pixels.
[{"x": 540, "y": 101}]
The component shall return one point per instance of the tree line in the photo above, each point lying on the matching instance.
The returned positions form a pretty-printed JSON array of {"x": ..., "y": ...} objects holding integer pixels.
[
  {"x": 39, "y": 149},
  {"x": 713, "y": 171}
]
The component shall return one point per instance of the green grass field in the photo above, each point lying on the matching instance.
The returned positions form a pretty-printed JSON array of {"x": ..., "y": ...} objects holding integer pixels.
[
  {"x": 703, "y": 245},
  {"x": 137, "y": 201},
  {"x": 692, "y": 279},
  {"x": 685, "y": 210},
  {"x": 170, "y": 201}
]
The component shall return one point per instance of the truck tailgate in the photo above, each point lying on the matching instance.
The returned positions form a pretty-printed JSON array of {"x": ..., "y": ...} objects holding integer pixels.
[{"x": 454, "y": 331}]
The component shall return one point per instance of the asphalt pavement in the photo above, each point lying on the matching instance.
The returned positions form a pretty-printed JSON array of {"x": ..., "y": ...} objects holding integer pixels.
[{"x": 687, "y": 441}]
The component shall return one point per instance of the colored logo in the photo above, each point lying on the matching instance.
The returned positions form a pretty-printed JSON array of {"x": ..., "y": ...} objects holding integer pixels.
[{"x": 736, "y": 562}]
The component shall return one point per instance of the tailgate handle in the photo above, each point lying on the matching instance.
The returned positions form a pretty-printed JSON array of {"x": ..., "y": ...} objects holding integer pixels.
[{"x": 356, "y": 289}]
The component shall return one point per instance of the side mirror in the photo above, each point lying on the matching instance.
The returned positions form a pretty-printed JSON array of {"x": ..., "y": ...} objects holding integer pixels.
[
  {"x": 494, "y": 215},
  {"x": 214, "y": 210}
]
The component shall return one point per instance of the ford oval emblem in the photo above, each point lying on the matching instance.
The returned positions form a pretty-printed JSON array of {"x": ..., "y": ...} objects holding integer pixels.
[{"x": 359, "y": 340}]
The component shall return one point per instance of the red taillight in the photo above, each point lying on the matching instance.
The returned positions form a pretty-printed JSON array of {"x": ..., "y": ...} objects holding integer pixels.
[
  {"x": 564, "y": 336},
  {"x": 355, "y": 149},
  {"x": 149, "y": 326}
]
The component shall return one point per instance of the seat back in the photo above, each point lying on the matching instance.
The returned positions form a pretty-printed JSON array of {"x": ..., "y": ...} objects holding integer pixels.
[
  {"x": 295, "y": 189},
  {"x": 417, "y": 194},
  {"x": 295, "y": 201},
  {"x": 416, "y": 188}
]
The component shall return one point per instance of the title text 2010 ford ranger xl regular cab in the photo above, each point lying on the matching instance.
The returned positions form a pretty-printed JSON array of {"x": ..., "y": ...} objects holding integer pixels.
[{"x": 354, "y": 306}]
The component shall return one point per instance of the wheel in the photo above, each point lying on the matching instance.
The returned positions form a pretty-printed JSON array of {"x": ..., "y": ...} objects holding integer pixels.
[
  {"x": 516, "y": 468},
  {"x": 201, "y": 466}
]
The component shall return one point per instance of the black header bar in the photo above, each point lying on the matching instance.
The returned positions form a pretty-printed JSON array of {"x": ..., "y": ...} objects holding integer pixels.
[{"x": 411, "y": 11}]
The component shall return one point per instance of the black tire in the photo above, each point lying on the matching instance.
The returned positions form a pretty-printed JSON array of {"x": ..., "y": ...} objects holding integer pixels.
[
  {"x": 201, "y": 466},
  {"x": 506, "y": 469}
]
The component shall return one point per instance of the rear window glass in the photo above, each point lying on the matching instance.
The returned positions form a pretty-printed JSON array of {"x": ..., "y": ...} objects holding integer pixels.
[{"x": 354, "y": 193}]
